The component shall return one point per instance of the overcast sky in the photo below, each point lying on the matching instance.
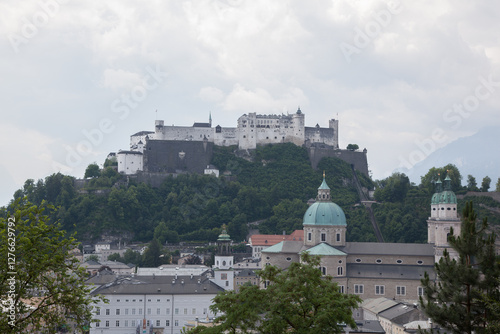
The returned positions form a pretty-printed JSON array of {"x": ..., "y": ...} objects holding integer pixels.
[{"x": 79, "y": 77}]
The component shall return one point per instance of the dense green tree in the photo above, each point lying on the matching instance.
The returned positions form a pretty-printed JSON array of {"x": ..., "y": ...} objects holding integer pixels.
[
  {"x": 115, "y": 257},
  {"x": 172, "y": 237},
  {"x": 393, "y": 188},
  {"x": 287, "y": 216},
  {"x": 485, "y": 185},
  {"x": 49, "y": 277},
  {"x": 455, "y": 300},
  {"x": 92, "y": 170},
  {"x": 352, "y": 147},
  {"x": 497, "y": 189},
  {"x": 296, "y": 300},
  {"x": 492, "y": 305},
  {"x": 237, "y": 227},
  {"x": 111, "y": 162},
  {"x": 471, "y": 183},
  {"x": 92, "y": 257},
  {"x": 161, "y": 232},
  {"x": 428, "y": 180},
  {"x": 151, "y": 257},
  {"x": 131, "y": 256}
]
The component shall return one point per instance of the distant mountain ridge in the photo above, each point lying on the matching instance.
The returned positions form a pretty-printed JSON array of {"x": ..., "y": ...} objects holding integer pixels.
[{"x": 478, "y": 155}]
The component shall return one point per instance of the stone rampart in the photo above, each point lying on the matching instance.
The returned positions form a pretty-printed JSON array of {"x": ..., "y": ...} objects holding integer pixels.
[{"x": 356, "y": 158}]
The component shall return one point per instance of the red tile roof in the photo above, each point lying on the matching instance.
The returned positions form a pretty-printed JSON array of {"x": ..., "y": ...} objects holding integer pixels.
[{"x": 273, "y": 239}]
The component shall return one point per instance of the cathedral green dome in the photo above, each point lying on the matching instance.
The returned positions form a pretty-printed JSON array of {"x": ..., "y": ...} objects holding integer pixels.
[
  {"x": 435, "y": 198},
  {"x": 324, "y": 213},
  {"x": 447, "y": 197}
]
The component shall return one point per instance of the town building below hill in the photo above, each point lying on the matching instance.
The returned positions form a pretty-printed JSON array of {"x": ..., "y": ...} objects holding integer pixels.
[
  {"x": 366, "y": 269},
  {"x": 259, "y": 242}
]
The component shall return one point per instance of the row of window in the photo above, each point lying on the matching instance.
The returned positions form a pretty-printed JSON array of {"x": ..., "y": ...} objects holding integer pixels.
[
  {"x": 243, "y": 283},
  {"x": 322, "y": 236},
  {"x": 140, "y": 300},
  {"x": 133, "y": 323},
  {"x": 379, "y": 261},
  {"x": 340, "y": 270},
  {"x": 380, "y": 290},
  {"x": 399, "y": 261},
  {"x": 139, "y": 310}
]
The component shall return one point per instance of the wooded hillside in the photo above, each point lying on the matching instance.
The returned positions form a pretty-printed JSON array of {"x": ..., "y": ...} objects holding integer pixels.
[{"x": 272, "y": 188}]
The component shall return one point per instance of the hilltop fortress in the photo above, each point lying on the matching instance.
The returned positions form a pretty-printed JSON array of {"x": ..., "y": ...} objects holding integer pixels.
[{"x": 177, "y": 149}]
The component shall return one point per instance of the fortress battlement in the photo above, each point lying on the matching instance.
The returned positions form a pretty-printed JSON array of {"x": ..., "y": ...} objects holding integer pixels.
[{"x": 172, "y": 149}]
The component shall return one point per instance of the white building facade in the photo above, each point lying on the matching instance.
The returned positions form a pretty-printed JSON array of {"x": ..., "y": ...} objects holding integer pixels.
[{"x": 164, "y": 303}]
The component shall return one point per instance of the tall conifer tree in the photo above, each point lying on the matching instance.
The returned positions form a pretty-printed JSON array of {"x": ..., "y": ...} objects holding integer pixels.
[{"x": 455, "y": 301}]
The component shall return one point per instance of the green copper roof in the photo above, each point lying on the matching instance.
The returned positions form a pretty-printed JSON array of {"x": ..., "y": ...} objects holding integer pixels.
[
  {"x": 224, "y": 236},
  {"x": 447, "y": 183},
  {"x": 447, "y": 197},
  {"x": 324, "y": 213},
  {"x": 435, "y": 198},
  {"x": 324, "y": 249},
  {"x": 324, "y": 185},
  {"x": 274, "y": 248}
]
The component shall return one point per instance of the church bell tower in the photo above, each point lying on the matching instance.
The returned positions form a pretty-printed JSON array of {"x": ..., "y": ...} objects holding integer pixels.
[
  {"x": 444, "y": 217},
  {"x": 224, "y": 262}
]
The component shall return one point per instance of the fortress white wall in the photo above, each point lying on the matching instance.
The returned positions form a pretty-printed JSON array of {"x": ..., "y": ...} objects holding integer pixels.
[
  {"x": 171, "y": 132},
  {"x": 270, "y": 129},
  {"x": 252, "y": 130},
  {"x": 226, "y": 136},
  {"x": 129, "y": 162}
]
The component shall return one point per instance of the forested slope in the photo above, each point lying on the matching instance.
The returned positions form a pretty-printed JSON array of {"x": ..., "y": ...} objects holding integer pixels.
[{"x": 272, "y": 187}]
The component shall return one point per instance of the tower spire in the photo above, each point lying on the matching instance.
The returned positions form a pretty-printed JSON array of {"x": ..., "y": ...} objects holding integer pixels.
[{"x": 323, "y": 190}]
